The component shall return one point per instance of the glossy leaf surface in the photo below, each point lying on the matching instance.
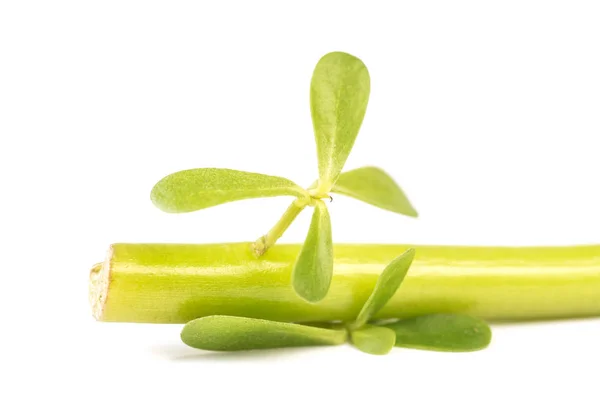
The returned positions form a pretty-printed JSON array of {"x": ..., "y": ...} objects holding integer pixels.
[
  {"x": 228, "y": 333},
  {"x": 339, "y": 93},
  {"x": 387, "y": 284},
  {"x": 442, "y": 332},
  {"x": 376, "y": 340},
  {"x": 313, "y": 269},
  {"x": 373, "y": 186},
  {"x": 195, "y": 189}
]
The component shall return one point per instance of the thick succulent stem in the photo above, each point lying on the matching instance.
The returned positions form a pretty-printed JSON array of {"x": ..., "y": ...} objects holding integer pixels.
[{"x": 175, "y": 283}]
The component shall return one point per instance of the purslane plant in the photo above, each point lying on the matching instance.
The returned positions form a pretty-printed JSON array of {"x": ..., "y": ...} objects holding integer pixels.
[
  {"x": 441, "y": 332},
  {"x": 339, "y": 93},
  {"x": 234, "y": 296}
]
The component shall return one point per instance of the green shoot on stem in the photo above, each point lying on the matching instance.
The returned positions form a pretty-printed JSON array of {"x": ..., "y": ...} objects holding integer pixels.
[
  {"x": 387, "y": 284},
  {"x": 339, "y": 94}
]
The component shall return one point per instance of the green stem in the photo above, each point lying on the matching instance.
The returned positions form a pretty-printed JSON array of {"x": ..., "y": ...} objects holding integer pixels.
[
  {"x": 175, "y": 283},
  {"x": 265, "y": 242}
]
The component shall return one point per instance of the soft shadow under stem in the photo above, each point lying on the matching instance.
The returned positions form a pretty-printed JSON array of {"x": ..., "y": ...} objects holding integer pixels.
[{"x": 180, "y": 353}]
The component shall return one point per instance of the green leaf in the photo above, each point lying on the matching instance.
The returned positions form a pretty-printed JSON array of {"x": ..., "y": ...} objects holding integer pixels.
[
  {"x": 339, "y": 93},
  {"x": 387, "y": 284},
  {"x": 375, "y": 340},
  {"x": 372, "y": 185},
  {"x": 442, "y": 332},
  {"x": 227, "y": 333},
  {"x": 195, "y": 189},
  {"x": 312, "y": 272}
]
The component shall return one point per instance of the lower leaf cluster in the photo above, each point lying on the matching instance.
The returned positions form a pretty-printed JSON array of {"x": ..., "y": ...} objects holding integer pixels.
[
  {"x": 437, "y": 332},
  {"x": 440, "y": 332}
]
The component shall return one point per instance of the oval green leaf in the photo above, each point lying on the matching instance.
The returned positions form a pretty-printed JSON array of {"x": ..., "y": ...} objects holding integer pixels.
[
  {"x": 442, "y": 332},
  {"x": 339, "y": 93},
  {"x": 387, "y": 284},
  {"x": 313, "y": 269},
  {"x": 373, "y": 186},
  {"x": 195, "y": 189},
  {"x": 227, "y": 333},
  {"x": 376, "y": 340}
]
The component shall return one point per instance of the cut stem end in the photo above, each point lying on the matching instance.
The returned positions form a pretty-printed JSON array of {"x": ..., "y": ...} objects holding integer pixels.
[{"x": 98, "y": 286}]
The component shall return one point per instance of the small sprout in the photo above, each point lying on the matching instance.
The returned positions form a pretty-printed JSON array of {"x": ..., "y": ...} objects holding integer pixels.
[
  {"x": 387, "y": 284},
  {"x": 442, "y": 332},
  {"x": 376, "y": 340},
  {"x": 339, "y": 93}
]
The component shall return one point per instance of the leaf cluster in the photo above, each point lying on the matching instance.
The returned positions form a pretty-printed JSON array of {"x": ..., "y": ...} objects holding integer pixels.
[{"x": 339, "y": 93}]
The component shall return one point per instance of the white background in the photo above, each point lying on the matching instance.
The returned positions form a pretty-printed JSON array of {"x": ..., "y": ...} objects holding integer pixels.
[{"x": 487, "y": 114}]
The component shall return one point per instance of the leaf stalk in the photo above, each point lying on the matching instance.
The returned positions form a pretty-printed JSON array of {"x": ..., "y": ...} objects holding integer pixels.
[{"x": 265, "y": 242}]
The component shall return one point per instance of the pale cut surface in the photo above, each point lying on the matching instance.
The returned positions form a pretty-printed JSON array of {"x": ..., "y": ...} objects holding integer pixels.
[{"x": 99, "y": 285}]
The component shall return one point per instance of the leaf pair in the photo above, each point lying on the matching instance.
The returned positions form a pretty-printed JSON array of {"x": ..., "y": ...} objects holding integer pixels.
[
  {"x": 196, "y": 189},
  {"x": 339, "y": 94},
  {"x": 443, "y": 332}
]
